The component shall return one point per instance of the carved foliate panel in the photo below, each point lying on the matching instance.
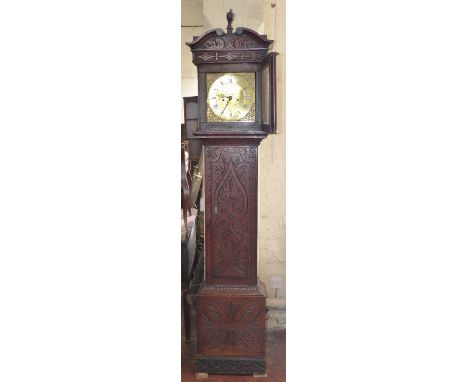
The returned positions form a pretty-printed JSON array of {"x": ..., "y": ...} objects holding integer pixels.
[
  {"x": 231, "y": 41},
  {"x": 231, "y": 213},
  {"x": 244, "y": 45},
  {"x": 233, "y": 326}
]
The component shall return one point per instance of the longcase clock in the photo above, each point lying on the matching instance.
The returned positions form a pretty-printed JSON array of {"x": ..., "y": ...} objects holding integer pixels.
[{"x": 237, "y": 109}]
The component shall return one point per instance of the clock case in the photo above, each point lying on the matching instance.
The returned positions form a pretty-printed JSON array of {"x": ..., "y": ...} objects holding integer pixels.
[
  {"x": 235, "y": 52},
  {"x": 230, "y": 303}
]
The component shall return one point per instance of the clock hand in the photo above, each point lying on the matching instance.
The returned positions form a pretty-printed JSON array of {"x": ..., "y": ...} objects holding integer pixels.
[{"x": 229, "y": 100}]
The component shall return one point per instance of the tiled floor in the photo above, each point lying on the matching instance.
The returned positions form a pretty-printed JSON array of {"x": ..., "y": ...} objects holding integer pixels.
[{"x": 276, "y": 362}]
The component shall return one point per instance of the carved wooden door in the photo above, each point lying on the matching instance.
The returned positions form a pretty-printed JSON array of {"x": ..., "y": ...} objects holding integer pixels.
[{"x": 231, "y": 213}]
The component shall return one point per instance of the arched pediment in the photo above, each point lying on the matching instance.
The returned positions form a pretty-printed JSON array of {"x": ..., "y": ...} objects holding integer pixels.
[
  {"x": 242, "y": 38},
  {"x": 217, "y": 46}
]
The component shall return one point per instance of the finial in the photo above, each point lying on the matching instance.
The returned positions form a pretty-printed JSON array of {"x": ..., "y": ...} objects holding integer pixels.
[{"x": 229, "y": 17}]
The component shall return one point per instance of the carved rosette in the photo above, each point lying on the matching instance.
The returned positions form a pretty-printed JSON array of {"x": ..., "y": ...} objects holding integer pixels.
[
  {"x": 231, "y": 187},
  {"x": 231, "y": 326}
]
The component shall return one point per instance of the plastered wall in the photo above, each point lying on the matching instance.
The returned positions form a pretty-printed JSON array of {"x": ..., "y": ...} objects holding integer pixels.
[{"x": 265, "y": 17}]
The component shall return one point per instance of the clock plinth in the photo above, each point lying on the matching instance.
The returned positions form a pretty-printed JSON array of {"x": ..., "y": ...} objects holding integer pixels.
[
  {"x": 230, "y": 330},
  {"x": 233, "y": 98}
]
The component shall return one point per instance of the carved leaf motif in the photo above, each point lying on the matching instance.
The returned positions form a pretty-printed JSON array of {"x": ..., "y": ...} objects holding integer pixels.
[
  {"x": 215, "y": 336},
  {"x": 214, "y": 317},
  {"x": 215, "y": 313},
  {"x": 205, "y": 56},
  {"x": 249, "y": 312},
  {"x": 231, "y": 260},
  {"x": 222, "y": 228},
  {"x": 248, "y": 339},
  {"x": 231, "y": 196},
  {"x": 230, "y": 42},
  {"x": 217, "y": 43},
  {"x": 230, "y": 55},
  {"x": 237, "y": 227}
]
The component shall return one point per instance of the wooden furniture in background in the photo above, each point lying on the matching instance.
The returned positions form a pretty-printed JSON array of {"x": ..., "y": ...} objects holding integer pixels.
[
  {"x": 191, "y": 125},
  {"x": 191, "y": 250},
  {"x": 185, "y": 185},
  {"x": 188, "y": 248}
]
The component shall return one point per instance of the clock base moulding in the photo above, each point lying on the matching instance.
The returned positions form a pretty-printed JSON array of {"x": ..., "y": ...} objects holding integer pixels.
[{"x": 231, "y": 365}]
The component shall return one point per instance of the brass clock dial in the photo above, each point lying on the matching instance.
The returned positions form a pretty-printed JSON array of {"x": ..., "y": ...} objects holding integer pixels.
[{"x": 231, "y": 97}]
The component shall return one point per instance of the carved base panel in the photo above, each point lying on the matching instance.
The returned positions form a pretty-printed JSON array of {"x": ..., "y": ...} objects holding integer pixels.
[
  {"x": 231, "y": 365},
  {"x": 230, "y": 322}
]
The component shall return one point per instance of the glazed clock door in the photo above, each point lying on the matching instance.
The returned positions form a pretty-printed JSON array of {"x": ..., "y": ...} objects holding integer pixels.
[
  {"x": 231, "y": 97},
  {"x": 269, "y": 93}
]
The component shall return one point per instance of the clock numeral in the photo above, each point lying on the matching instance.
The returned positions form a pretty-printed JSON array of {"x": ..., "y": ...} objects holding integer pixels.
[
  {"x": 245, "y": 106},
  {"x": 215, "y": 105},
  {"x": 221, "y": 82},
  {"x": 230, "y": 80}
]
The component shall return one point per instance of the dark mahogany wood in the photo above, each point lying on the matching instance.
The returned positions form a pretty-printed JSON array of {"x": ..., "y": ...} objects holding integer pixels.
[
  {"x": 231, "y": 167},
  {"x": 231, "y": 304}
]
